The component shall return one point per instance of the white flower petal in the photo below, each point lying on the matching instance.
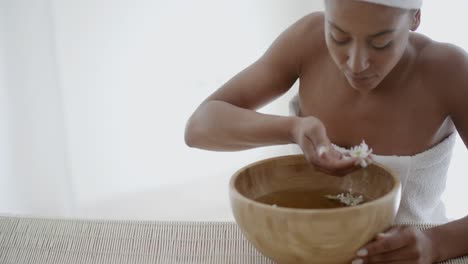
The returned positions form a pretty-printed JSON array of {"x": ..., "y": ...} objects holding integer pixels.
[{"x": 363, "y": 163}]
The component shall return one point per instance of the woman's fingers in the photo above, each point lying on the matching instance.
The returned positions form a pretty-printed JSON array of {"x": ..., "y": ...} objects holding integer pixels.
[
  {"x": 328, "y": 160},
  {"x": 312, "y": 137},
  {"x": 337, "y": 165}
]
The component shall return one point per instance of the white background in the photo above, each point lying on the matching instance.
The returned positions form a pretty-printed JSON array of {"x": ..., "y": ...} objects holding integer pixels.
[{"x": 94, "y": 96}]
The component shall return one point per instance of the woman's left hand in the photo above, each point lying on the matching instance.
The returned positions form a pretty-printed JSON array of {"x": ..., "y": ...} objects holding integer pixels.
[{"x": 399, "y": 245}]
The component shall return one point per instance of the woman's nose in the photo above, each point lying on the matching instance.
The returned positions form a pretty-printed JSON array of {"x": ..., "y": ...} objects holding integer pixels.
[{"x": 358, "y": 60}]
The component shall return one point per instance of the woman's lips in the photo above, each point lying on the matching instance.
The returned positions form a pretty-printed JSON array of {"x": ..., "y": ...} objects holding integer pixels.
[{"x": 360, "y": 78}]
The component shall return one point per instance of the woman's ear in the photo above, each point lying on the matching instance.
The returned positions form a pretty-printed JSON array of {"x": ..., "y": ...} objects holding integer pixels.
[{"x": 415, "y": 19}]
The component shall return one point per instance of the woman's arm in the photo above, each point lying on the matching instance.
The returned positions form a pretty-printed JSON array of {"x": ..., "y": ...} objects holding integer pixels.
[
  {"x": 451, "y": 240},
  {"x": 221, "y": 126},
  {"x": 227, "y": 119}
]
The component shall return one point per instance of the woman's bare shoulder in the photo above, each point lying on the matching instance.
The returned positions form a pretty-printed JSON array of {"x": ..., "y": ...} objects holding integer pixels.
[
  {"x": 310, "y": 32},
  {"x": 443, "y": 66},
  {"x": 444, "y": 69},
  {"x": 310, "y": 39},
  {"x": 438, "y": 58},
  {"x": 310, "y": 24}
]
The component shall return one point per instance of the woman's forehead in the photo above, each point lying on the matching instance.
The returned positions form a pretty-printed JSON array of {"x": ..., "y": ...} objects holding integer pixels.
[{"x": 352, "y": 15}]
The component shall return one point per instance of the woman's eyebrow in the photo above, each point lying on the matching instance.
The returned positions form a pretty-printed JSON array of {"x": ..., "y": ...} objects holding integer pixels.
[
  {"x": 337, "y": 27},
  {"x": 383, "y": 32},
  {"x": 388, "y": 31}
]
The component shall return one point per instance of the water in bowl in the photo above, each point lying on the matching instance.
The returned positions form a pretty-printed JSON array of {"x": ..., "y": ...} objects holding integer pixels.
[{"x": 302, "y": 198}]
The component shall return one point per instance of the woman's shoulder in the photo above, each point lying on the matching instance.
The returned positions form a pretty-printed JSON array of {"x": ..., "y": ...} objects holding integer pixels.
[
  {"x": 438, "y": 58},
  {"x": 313, "y": 22},
  {"x": 444, "y": 71},
  {"x": 310, "y": 28},
  {"x": 310, "y": 37},
  {"x": 306, "y": 31}
]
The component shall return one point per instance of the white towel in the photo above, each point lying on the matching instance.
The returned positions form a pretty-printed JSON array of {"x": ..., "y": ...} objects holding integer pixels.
[
  {"x": 423, "y": 179},
  {"x": 404, "y": 4}
]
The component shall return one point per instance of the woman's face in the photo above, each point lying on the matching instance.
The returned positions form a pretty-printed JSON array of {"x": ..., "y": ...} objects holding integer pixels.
[{"x": 365, "y": 40}]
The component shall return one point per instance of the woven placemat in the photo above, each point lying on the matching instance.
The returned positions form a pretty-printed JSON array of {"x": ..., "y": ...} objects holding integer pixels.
[{"x": 41, "y": 240}]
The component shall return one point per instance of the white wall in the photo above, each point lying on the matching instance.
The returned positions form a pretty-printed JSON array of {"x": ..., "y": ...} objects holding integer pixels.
[
  {"x": 94, "y": 96},
  {"x": 36, "y": 146},
  {"x": 7, "y": 196},
  {"x": 133, "y": 72}
]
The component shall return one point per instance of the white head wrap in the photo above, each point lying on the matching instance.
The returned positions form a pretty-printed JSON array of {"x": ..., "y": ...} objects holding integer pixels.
[{"x": 404, "y": 4}]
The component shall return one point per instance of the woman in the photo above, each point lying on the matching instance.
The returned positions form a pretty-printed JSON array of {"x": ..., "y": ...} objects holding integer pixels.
[{"x": 364, "y": 74}]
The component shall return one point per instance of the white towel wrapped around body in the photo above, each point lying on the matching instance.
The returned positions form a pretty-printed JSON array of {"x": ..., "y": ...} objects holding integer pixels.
[{"x": 423, "y": 178}]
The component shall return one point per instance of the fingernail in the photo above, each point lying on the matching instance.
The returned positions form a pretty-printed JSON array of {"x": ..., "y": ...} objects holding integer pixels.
[
  {"x": 357, "y": 261},
  {"x": 362, "y": 252},
  {"x": 381, "y": 236},
  {"x": 321, "y": 150}
]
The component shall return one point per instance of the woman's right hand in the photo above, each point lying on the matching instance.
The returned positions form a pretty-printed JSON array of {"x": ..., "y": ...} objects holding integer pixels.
[{"x": 310, "y": 134}]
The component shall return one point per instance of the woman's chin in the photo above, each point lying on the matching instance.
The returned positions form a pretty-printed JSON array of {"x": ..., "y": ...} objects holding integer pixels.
[{"x": 363, "y": 85}]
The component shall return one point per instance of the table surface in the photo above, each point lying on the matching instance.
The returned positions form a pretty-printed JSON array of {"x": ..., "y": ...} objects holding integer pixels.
[{"x": 44, "y": 240}]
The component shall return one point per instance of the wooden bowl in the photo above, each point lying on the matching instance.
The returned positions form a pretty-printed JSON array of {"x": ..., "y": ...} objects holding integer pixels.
[{"x": 292, "y": 235}]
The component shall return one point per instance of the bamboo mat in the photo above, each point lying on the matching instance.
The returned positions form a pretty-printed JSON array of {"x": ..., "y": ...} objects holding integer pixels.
[{"x": 41, "y": 240}]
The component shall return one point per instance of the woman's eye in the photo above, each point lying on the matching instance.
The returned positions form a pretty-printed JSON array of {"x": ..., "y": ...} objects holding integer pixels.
[
  {"x": 381, "y": 47},
  {"x": 339, "y": 41}
]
